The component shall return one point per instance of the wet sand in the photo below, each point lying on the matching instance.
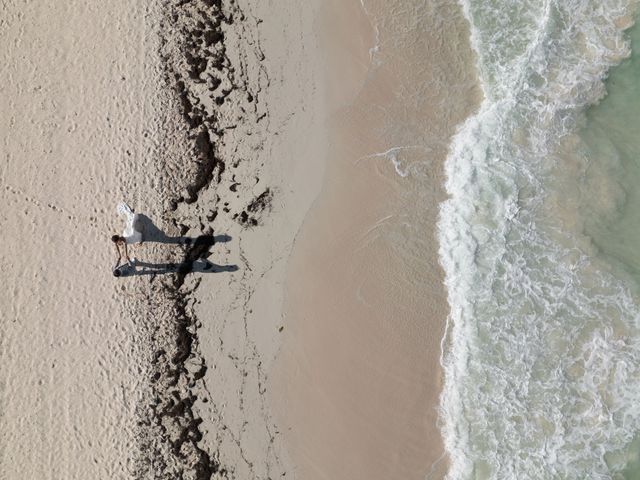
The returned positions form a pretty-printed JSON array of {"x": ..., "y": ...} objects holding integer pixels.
[{"x": 358, "y": 377}]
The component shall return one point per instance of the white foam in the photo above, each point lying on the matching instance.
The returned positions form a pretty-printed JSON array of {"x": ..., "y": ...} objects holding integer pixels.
[
  {"x": 537, "y": 385},
  {"x": 375, "y": 49},
  {"x": 392, "y": 155}
]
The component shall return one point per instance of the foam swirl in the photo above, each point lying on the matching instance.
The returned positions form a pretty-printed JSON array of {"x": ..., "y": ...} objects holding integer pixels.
[{"x": 542, "y": 376}]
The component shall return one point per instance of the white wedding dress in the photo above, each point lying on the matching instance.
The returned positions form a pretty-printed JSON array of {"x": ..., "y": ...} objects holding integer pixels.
[{"x": 133, "y": 230}]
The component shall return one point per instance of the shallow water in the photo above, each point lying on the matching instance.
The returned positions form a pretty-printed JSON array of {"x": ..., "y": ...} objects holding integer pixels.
[
  {"x": 537, "y": 240},
  {"x": 612, "y": 138},
  {"x": 612, "y": 142}
]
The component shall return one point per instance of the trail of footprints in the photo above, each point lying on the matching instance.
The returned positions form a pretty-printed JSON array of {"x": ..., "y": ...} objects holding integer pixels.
[{"x": 21, "y": 195}]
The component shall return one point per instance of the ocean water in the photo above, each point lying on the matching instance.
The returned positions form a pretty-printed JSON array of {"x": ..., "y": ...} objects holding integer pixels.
[{"x": 540, "y": 242}]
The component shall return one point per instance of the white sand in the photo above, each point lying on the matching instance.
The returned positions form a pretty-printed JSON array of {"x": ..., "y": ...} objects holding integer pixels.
[
  {"x": 78, "y": 135},
  {"x": 85, "y": 127},
  {"x": 241, "y": 312}
]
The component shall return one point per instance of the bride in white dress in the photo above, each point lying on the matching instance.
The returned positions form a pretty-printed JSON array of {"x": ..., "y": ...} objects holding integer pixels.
[
  {"x": 132, "y": 234},
  {"x": 133, "y": 231}
]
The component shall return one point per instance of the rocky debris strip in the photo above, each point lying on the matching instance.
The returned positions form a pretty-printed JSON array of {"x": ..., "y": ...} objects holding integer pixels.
[{"x": 215, "y": 103}]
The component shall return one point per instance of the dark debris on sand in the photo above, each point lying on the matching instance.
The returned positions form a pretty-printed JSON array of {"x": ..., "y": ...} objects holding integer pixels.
[{"x": 204, "y": 79}]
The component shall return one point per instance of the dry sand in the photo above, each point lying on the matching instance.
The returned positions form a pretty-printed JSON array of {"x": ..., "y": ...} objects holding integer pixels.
[
  {"x": 203, "y": 118},
  {"x": 249, "y": 128},
  {"x": 277, "y": 143},
  {"x": 78, "y": 134},
  {"x": 358, "y": 377}
]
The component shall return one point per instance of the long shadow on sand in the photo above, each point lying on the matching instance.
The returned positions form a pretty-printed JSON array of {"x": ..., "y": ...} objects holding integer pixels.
[
  {"x": 199, "y": 266},
  {"x": 196, "y": 251},
  {"x": 151, "y": 233}
]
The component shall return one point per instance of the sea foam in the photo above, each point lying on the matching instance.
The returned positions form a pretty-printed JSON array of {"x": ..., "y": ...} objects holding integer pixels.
[{"x": 542, "y": 352}]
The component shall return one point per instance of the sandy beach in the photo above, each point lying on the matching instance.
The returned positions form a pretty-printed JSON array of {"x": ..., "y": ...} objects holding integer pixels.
[
  {"x": 285, "y": 312},
  {"x": 79, "y": 132},
  {"x": 365, "y": 304}
]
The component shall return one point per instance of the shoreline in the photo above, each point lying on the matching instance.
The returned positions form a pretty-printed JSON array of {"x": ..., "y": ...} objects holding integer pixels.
[{"x": 366, "y": 305}]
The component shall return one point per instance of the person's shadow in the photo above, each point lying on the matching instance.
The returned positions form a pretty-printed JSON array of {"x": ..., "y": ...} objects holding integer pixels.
[
  {"x": 196, "y": 251},
  {"x": 199, "y": 266},
  {"x": 151, "y": 233}
]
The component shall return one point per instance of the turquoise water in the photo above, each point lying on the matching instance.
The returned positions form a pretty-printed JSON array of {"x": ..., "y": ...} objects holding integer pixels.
[
  {"x": 612, "y": 139},
  {"x": 538, "y": 241},
  {"x": 612, "y": 136}
]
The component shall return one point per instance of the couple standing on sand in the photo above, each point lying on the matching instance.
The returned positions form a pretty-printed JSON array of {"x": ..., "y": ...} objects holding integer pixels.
[{"x": 131, "y": 234}]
